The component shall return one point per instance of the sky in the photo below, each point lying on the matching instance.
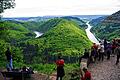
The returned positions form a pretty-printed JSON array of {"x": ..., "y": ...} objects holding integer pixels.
[{"x": 27, "y": 8}]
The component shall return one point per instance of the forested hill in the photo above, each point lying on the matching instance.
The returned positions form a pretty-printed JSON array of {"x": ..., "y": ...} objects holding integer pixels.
[
  {"x": 108, "y": 28},
  {"x": 114, "y": 18},
  {"x": 10, "y": 31},
  {"x": 95, "y": 22},
  {"x": 65, "y": 38},
  {"x": 81, "y": 23},
  {"x": 44, "y": 24},
  {"x": 60, "y": 36}
]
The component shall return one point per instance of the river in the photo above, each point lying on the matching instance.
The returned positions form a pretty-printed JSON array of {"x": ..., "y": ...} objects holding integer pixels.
[
  {"x": 38, "y": 34},
  {"x": 90, "y": 35}
]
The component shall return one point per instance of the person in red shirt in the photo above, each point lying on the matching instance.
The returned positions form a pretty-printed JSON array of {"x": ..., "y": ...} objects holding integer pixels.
[
  {"x": 60, "y": 68},
  {"x": 87, "y": 75},
  {"x": 95, "y": 46}
]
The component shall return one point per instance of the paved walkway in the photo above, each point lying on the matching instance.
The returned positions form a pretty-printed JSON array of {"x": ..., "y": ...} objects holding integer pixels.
[{"x": 105, "y": 70}]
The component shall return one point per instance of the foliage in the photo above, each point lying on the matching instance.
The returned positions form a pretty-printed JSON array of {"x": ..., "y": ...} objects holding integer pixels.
[
  {"x": 3, "y": 47},
  {"x": 49, "y": 25},
  {"x": 46, "y": 68},
  {"x": 60, "y": 36},
  {"x": 71, "y": 68},
  {"x": 80, "y": 22},
  {"x": 51, "y": 68},
  {"x": 6, "y": 4},
  {"x": 65, "y": 38},
  {"x": 109, "y": 28},
  {"x": 10, "y": 35},
  {"x": 32, "y": 25},
  {"x": 12, "y": 32},
  {"x": 94, "y": 22}
]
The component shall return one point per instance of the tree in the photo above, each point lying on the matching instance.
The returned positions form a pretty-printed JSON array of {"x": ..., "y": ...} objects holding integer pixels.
[{"x": 6, "y": 4}]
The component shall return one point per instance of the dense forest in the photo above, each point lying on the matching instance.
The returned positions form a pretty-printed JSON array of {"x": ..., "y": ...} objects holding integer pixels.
[
  {"x": 65, "y": 38},
  {"x": 61, "y": 36}
]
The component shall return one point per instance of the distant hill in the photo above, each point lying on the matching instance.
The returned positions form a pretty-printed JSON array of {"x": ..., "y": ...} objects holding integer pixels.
[
  {"x": 96, "y": 21},
  {"x": 44, "y": 26},
  {"x": 24, "y": 19},
  {"x": 88, "y": 17},
  {"x": 65, "y": 38},
  {"x": 81, "y": 23},
  {"x": 109, "y": 28},
  {"x": 114, "y": 18},
  {"x": 43, "y": 18}
]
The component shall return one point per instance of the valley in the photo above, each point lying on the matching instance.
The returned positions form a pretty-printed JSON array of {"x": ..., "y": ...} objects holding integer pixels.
[{"x": 34, "y": 41}]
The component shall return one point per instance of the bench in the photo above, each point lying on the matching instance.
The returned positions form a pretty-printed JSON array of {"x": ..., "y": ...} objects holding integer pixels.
[{"x": 16, "y": 75}]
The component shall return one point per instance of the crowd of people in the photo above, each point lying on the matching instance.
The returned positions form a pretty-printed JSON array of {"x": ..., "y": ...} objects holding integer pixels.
[
  {"x": 98, "y": 52},
  {"x": 102, "y": 50}
]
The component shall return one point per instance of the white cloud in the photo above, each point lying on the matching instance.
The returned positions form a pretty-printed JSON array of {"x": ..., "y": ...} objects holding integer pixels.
[{"x": 62, "y": 7}]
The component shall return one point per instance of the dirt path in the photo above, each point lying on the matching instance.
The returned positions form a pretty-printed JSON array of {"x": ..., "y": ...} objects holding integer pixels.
[
  {"x": 53, "y": 76},
  {"x": 105, "y": 70},
  {"x": 101, "y": 70}
]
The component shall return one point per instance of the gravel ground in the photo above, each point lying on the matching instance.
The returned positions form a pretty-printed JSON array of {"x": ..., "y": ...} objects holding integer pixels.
[{"x": 105, "y": 70}]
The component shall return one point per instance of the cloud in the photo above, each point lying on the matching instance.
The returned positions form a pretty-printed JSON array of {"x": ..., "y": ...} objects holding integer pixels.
[{"x": 63, "y": 7}]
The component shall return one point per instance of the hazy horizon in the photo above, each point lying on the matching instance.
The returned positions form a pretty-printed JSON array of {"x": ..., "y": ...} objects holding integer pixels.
[
  {"x": 54, "y": 16},
  {"x": 34, "y": 8}
]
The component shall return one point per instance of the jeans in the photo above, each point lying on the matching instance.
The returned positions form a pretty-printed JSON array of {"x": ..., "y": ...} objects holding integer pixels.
[{"x": 10, "y": 65}]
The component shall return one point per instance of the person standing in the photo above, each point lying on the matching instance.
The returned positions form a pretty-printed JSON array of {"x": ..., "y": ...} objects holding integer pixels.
[
  {"x": 87, "y": 75},
  {"x": 60, "y": 68},
  {"x": 105, "y": 46},
  {"x": 93, "y": 55},
  {"x": 117, "y": 51},
  {"x": 108, "y": 51},
  {"x": 101, "y": 52},
  {"x": 9, "y": 60},
  {"x": 113, "y": 45},
  {"x": 86, "y": 56}
]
